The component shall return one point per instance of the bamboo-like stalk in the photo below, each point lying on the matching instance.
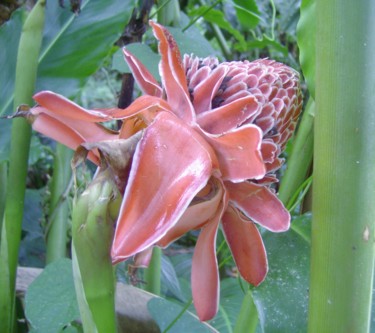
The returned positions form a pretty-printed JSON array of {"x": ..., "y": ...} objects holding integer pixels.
[
  {"x": 59, "y": 211},
  {"x": 26, "y": 71},
  {"x": 153, "y": 272},
  {"x": 300, "y": 159},
  {"x": 342, "y": 259}
]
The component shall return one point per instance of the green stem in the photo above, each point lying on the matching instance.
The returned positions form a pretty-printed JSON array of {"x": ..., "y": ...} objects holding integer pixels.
[
  {"x": 247, "y": 320},
  {"x": 26, "y": 71},
  {"x": 342, "y": 257},
  {"x": 153, "y": 272},
  {"x": 300, "y": 159},
  {"x": 59, "y": 212}
]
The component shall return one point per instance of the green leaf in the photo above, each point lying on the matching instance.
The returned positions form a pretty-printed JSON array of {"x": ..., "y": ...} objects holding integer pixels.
[
  {"x": 306, "y": 43},
  {"x": 75, "y": 46},
  {"x": 282, "y": 298},
  {"x": 165, "y": 312},
  {"x": 247, "y": 13},
  {"x": 217, "y": 17},
  {"x": 50, "y": 302}
]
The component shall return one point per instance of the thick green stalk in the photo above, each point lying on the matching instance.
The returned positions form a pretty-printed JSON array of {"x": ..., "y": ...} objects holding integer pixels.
[
  {"x": 300, "y": 159},
  {"x": 94, "y": 215},
  {"x": 247, "y": 320},
  {"x": 26, "y": 71},
  {"x": 153, "y": 272},
  {"x": 342, "y": 258},
  {"x": 59, "y": 212}
]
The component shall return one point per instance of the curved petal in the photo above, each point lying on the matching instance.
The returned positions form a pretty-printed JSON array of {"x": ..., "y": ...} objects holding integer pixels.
[
  {"x": 147, "y": 105},
  {"x": 89, "y": 131},
  {"x": 58, "y": 104},
  {"x": 239, "y": 153},
  {"x": 195, "y": 216},
  {"x": 246, "y": 245},
  {"x": 205, "y": 91},
  {"x": 204, "y": 270},
  {"x": 229, "y": 116},
  {"x": 59, "y": 132},
  {"x": 144, "y": 78},
  {"x": 173, "y": 74},
  {"x": 170, "y": 166},
  {"x": 260, "y": 204}
]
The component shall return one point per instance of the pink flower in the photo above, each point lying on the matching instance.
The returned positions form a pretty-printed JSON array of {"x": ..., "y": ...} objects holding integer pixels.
[{"x": 210, "y": 145}]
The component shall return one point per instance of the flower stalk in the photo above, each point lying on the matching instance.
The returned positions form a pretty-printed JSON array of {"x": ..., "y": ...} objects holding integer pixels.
[
  {"x": 94, "y": 215},
  {"x": 153, "y": 272},
  {"x": 342, "y": 258},
  {"x": 26, "y": 71}
]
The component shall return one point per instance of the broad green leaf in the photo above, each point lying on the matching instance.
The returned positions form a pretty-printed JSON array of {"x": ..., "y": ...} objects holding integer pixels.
[
  {"x": 165, "y": 312},
  {"x": 50, "y": 301},
  {"x": 306, "y": 43},
  {"x": 73, "y": 45},
  {"x": 282, "y": 298}
]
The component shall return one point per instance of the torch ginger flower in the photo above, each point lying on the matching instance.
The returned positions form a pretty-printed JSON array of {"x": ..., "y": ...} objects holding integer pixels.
[{"x": 210, "y": 142}]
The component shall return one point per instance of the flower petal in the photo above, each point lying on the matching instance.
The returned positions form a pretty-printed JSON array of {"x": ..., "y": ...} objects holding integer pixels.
[
  {"x": 89, "y": 131},
  {"x": 144, "y": 78},
  {"x": 145, "y": 105},
  {"x": 260, "y": 204},
  {"x": 205, "y": 91},
  {"x": 196, "y": 215},
  {"x": 58, "y": 131},
  {"x": 204, "y": 270},
  {"x": 170, "y": 166},
  {"x": 246, "y": 245},
  {"x": 239, "y": 153},
  {"x": 58, "y": 104},
  {"x": 173, "y": 74},
  {"x": 229, "y": 116}
]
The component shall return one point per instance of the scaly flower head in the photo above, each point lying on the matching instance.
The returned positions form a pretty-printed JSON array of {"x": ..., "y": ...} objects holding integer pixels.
[{"x": 208, "y": 143}]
